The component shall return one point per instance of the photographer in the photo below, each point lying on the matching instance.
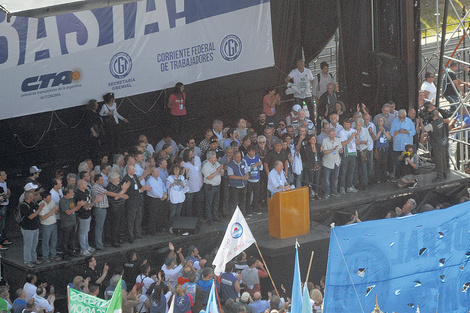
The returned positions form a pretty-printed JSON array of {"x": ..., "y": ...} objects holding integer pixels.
[
  {"x": 408, "y": 164},
  {"x": 438, "y": 139}
]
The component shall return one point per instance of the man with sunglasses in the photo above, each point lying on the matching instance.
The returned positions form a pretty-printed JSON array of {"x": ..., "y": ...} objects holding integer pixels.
[{"x": 428, "y": 87}]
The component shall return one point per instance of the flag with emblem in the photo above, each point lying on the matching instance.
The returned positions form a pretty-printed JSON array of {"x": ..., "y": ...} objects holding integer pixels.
[{"x": 237, "y": 238}]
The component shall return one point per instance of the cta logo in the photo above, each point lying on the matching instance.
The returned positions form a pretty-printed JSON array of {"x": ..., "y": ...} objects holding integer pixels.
[
  {"x": 120, "y": 65},
  {"x": 231, "y": 47},
  {"x": 50, "y": 80}
]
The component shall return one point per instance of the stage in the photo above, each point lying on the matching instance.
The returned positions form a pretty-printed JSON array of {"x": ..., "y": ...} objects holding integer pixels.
[{"x": 372, "y": 203}]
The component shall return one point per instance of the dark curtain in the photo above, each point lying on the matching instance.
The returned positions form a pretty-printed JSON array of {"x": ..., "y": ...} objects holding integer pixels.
[
  {"x": 355, "y": 43},
  {"x": 380, "y": 66},
  {"x": 287, "y": 37},
  {"x": 319, "y": 23}
]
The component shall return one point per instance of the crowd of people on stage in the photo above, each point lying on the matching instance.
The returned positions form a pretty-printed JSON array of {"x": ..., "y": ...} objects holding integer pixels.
[
  {"x": 127, "y": 193},
  {"x": 120, "y": 195}
]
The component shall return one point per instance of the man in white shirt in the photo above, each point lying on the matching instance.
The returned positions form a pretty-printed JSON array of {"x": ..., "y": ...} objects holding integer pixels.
[
  {"x": 320, "y": 84},
  {"x": 348, "y": 161},
  {"x": 148, "y": 147},
  {"x": 167, "y": 140},
  {"x": 302, "y": 79},
  {"x": 192, "y": 164},
  {"x": 41, "y": 302},
  {"x": 5, "y": 194},
  {"x": 217, "y": 129},
  {"x": 56, "y": 191},
  {"x": 428, "y": 87},
  {"x": 47, "y": 217}
]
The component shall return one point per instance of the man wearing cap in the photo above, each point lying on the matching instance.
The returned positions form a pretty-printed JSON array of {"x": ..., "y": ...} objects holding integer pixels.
[
  {"x": 193, "y": 254},
  {"x": 245, "y": 301},
  {"x": 214, "y": 146},
  {"x": 293, "y": 115},
  {"x": 33, "y": 177},
  {"x": 173, "y": 271},
  {"x": 30, "y": 228},
  {"x": 302, "y": 85}
]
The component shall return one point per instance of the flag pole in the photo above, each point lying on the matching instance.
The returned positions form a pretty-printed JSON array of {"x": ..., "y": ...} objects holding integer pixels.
[
  {"x": 437, "y": 306},
  {"x": 267, "y": 270},
  {"x": 309, "y": 266},
  {"x": 217, "y": 295}
]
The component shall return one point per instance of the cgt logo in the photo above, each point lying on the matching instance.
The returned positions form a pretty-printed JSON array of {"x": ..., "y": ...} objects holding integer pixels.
[{"x": 50, "y": 80}]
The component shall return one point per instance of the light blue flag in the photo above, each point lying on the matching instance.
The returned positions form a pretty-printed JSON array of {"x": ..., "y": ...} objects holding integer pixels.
[
  {"x": 296, "y": 305},
  {"x": 212, "y": 306},
  {"x": 306, "y": 305}
]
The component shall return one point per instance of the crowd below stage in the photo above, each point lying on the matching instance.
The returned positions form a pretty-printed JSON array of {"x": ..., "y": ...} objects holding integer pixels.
[
  {"x": 184, "y": 276},
  {"x": 122, "y": 195}
]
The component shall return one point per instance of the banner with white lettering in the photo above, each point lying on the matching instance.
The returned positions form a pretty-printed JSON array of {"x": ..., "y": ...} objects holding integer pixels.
[
  {"x": 63, "y": 61},
  {"x": 417, "y": 261}
]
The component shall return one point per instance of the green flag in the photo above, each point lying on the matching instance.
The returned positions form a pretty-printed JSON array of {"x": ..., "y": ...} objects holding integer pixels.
[
  {"x": 82, "y": 302},
  {"x": 115, "y": 304}
]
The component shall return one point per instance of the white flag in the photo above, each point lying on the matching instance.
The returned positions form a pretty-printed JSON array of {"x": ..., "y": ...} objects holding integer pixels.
[{"x": 237, "y": 238}]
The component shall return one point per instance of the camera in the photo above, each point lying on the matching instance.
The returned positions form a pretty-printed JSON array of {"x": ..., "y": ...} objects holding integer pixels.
[
  {"x": 406, "y": 154},
  {"x": 426, "y": 116}
]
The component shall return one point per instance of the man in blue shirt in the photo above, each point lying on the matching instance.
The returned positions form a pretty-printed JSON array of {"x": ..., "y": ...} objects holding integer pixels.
[
  {"x": 402, "y": 132},
  {"x": 156, "y": 203}
]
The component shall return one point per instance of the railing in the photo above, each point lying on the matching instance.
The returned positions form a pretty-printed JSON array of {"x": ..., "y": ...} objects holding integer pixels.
[
  {"x": 459, "y": 148},
  {"x": 430, "y": 32}
]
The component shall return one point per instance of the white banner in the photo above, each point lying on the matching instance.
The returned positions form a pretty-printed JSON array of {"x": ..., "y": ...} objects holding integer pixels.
[
  {"x": 237, "y": 238},
  {"x": 58, "y": 62}
]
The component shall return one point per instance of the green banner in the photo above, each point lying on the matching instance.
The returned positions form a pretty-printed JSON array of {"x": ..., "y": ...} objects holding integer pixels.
[{"x": 80, "y": 302}]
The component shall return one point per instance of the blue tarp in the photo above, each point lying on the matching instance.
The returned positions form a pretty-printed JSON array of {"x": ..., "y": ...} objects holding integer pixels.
[{"x": 420, "y": 260}]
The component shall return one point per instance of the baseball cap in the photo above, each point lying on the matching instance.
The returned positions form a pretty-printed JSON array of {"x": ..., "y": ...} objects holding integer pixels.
[
  {"x": 34, "y": 169},
  {"x": 245, "y": 297},
  {"x": 168, "y": 261},
  {"x": 30, "y": 186},
  {"x": 296, "y": 108},
  {"x": 191, "y": 249}
]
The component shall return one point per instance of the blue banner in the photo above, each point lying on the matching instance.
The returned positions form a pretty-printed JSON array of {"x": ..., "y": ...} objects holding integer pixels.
[{"x": 420, "y": 260}]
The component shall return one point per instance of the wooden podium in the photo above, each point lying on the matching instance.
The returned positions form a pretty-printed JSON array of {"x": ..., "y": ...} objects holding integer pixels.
[{"x": 289, "y": 213}]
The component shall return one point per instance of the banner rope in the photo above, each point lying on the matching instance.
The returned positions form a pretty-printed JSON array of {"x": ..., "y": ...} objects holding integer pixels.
[
  {"x": 40, "y": 139},
  {"x": 349, "y": 273},
  {"x": 145, "y": 112},
  {"x": 83, "y": 116}
]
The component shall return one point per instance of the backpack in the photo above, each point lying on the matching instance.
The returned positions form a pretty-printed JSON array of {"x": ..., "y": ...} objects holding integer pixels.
[
  {"x": 17, "y": 213},
  {"x": 318, "y": 78},
  {"x": 158, "y": 307},
  {"x": 444, "y": 81}
]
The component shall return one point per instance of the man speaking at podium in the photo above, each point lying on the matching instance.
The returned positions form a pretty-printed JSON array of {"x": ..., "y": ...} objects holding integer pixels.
[{"x": 277, "y": 179}]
